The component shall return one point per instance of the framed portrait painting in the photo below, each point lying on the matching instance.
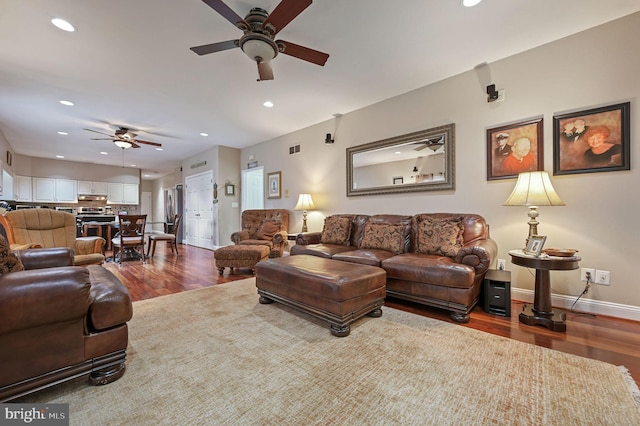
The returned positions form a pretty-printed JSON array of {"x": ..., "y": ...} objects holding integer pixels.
[
  {"x": 515, "y": 148},
  {"x": 274, "y": 181},
  {"x": 593, "y": 140}
]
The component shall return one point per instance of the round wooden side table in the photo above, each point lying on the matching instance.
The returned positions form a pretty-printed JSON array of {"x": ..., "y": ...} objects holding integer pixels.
[{"x": 542, "y": 312}]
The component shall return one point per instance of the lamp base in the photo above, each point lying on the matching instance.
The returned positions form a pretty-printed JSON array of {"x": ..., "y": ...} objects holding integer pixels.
[{"x": 304, "y": 221}]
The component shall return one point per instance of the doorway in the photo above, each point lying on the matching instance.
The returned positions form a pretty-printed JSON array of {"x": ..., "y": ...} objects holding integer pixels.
[{"x": 252, "y": 188}]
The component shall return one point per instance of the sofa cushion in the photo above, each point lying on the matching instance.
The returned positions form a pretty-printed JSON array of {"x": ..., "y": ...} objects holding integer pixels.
[
  {"x": 384, "y": 237},
  {"x": 442, "y": 237},
  {"x": 267, "y": 230},
  {"x": 336, "y": 230}
]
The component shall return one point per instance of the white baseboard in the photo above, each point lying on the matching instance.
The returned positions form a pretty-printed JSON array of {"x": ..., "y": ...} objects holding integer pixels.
[{"x": 590, "y": 306}]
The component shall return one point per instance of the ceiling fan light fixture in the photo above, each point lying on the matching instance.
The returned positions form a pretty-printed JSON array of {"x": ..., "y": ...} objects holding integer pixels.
[
  {"x": 259, "y": 50},
  {"x": 123, "y": 144}
]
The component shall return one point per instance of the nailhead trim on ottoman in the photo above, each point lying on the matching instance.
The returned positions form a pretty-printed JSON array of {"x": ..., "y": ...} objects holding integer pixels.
[{"x": 240, "y": 256}]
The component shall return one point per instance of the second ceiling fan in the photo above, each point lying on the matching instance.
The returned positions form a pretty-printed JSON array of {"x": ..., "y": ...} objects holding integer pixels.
[
  {"x": 124, "y": 138},
  {"x": 259, "y": 28}
]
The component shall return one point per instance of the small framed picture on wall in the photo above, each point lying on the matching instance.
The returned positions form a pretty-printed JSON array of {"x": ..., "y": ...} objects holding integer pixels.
[
  {"x": 593, "y": 140},
  {"x": 274, "y": 181},
  {"x": 515, "y": 148}
]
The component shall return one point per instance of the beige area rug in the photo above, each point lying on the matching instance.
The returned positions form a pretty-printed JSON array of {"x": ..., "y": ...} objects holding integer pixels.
[{"x": 216, "y": 356}]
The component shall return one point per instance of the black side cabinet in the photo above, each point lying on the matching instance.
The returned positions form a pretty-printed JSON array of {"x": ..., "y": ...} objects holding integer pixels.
[{"x": 497, "y": 292}]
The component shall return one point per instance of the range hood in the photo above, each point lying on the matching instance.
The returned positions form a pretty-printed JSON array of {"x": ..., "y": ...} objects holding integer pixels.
[{"x": 92, "y": 197}]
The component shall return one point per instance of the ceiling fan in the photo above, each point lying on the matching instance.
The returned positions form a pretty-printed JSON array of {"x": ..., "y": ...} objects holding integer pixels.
[
  {"x": 259, "y": 28},
  {"x": 123, "y": 138},
  {"x": 432, "y": 144}
]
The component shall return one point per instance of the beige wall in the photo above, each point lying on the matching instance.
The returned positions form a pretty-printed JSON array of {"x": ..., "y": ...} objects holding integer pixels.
[
  {"x": 45, "y": 167},
  {"x": 598, "y": 67}
]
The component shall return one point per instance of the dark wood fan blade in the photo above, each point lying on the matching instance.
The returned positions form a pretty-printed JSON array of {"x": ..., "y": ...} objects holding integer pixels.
[
  {"x": 226, "y": 12},
  {"x": 285, "y": 12},
  {"x": 133, "y": 144},
  {"x": 147, "y": 142},
  {"x": 265, "y": 71},
  {"x": 205, "y": 49},
  {"x": 303, "y": 53},
  {"x": 95, "y": 131}
]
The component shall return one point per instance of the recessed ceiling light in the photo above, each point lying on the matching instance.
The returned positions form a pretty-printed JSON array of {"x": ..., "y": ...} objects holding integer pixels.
[
  {"x": 132, "y": 165},
  {"x": 104, "y": 153},
  {"x": 59, "y": 156},
  {"x": 67, "y": 103},
  {"x": 398, "y": 152},
  {"x": 159, "y": 149},
  {"x": 63, "y": 133},
  {"x": 470, "y": 3},
  {"x": 204, "y": 134},
  {"x": 147, "y": 175},
  {"x": 63, "y": 24},
  {"x": 268, "y": 104}
]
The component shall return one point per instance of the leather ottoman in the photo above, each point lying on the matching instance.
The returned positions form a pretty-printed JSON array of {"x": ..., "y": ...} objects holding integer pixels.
[
  {"x": 331, "y": 290},
  {"x": 240, "y": 256}
]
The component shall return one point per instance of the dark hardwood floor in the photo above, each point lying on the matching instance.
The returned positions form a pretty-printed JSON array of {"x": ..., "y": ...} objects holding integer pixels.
[{"x": 608, "y": 339}]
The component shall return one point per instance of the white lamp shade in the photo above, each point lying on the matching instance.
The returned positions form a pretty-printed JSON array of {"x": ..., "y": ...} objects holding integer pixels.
[
  {"x": 534, "y": 189},
  {"x": 258, "y": 49},
  {"x": 304, "y": 202}
]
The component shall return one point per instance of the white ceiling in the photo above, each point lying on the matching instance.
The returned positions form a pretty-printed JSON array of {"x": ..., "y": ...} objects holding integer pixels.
[{"x": 129, "y": 64}]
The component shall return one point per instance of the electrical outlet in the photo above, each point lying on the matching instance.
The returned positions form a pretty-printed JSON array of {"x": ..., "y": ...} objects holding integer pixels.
[
  {"x": 502, "y": 265},
  {"x": 603, "y": 277},
  {"x": 590, "y": 271}
]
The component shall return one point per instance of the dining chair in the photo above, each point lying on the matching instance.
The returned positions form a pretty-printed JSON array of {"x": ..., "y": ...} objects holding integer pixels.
[
  {"x": 170, "y": 237},
  {"x": 130, "y": 236}
]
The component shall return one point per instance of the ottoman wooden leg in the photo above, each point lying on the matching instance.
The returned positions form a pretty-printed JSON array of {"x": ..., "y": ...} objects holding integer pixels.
[
  {"x": 340, "y": 330},
  {"x": 376, "y": 313}
]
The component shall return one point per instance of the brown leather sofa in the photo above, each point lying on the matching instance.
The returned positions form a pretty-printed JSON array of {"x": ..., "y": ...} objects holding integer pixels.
[
  {"x": 264, "y": 227},
  {"x": 59, "y": 322},
  {"x": 46, "y": 228},
  {"x": 436, "y": 259}
]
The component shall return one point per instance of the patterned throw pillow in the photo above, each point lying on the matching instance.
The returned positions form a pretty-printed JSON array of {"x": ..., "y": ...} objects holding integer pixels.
[
  {"x": 337, "y": 230},
  {"x": 384, "y": 237},
  {"x": 267, "y": 230},
  {"x": 8, "y": 260},
  {"x": 440, "y": 237}
]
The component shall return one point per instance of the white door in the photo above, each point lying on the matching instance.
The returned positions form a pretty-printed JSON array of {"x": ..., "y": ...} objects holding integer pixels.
[
  {"x": 200, "y": 219},
  {"x": 253, "y": 188}
]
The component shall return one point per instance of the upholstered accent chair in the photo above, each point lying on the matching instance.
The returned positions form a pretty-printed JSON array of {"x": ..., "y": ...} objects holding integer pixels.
[
  {"x": 46, "y": 228},
  {"x": 170, "y": 238},
  {"x": 130, "y": 236},
  {"x": 264, "y": 227}
]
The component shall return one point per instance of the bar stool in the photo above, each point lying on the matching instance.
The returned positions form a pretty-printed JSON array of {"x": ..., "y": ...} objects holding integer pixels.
[{"x": 91, "y": 225}]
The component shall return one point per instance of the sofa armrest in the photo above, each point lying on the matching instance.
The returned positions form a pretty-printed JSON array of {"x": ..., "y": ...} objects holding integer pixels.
[
  {"x": 280, "y": 237},
  {"x": 238, "y": 236},
  {"x": 89, "y": 245},
  {"x": 43, "y": 296},
  {"x": 306, "y": 238},
  {"x": 479, "y": 256},
  {"x": 45, "y": 257}
]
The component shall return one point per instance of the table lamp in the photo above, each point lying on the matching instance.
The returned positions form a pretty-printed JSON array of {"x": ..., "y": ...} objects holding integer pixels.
[
  {"x": 304, "y": 203},
  {"x": 533, "y": 189}
]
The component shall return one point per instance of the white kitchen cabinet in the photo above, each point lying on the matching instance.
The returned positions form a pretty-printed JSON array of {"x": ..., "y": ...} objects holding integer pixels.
[
  {"x": 48, "y": 190},
  {"x": 115, "y": 193},
  {"x": 22, "y": 188},
  {"x": 86, "y": 187},
  {"x": 124, "y": 193},
  {"x": 130, "y": 193}
]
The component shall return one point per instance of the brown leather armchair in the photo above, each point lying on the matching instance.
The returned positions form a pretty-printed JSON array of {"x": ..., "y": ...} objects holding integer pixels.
[
  {"x": 264, "y": 227},
  {"x": 46, "y": 228},
  {"x": 59, "y": 322}
]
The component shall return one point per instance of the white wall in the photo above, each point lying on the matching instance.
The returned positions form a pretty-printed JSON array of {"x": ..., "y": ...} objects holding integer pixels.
[{"x": 594, "y": 68}]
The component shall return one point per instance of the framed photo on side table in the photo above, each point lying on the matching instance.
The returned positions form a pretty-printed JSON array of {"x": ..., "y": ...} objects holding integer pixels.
[
  {"x": 515, "y": 148},
  {"x": 593, "y": 140},
  {"x": 535, "y": 244},
  {"x": 274, "y": 181}
]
